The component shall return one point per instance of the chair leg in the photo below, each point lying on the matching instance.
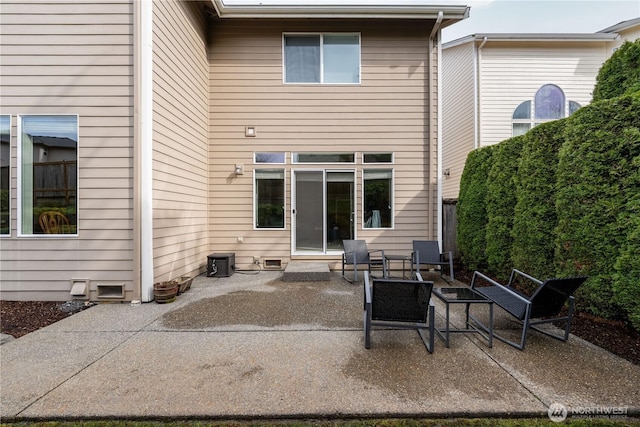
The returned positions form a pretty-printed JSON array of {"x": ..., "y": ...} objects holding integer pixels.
[{"x": 367, "y": 326}]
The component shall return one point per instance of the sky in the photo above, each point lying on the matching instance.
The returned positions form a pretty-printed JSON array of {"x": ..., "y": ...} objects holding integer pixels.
[{"x": 541, "y": 16}]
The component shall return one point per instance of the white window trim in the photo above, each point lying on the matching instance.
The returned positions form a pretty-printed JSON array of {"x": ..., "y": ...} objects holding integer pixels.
[
  {"x": 295, "y": 161},
  {"x": 284, "y": 206},
  {"x": 19, "y": 179},
  {"x": 393, "y": 158},
  {"x": 9, "y": 179},
  {"x": 284, "y": 155},
  {"x": 393, "y": 199},
  {"x": 322, "y": 34}
]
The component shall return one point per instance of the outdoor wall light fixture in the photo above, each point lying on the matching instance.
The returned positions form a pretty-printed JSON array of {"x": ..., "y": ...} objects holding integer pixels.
[
  {"x": 250, "y": 131},
  {"x": 239, "y": 169},
  {"x": 446, "y": 172}
]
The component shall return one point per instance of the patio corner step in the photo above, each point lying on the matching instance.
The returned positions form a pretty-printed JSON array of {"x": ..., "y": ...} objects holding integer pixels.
[{"x": 298, "y": 271}]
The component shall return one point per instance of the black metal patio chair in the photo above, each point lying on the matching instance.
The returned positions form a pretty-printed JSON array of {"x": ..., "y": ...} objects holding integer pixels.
[
  {"x": 356, "y": 253},
  {"x": 427, "y": 252},
  {"x": 543, "y": 306},
  {"x": 399, "y": 303}
]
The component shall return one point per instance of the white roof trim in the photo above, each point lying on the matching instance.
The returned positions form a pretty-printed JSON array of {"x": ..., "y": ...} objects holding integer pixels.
[
  {"x": 347, "y": 9},
  {"x": 533, "y": 37}
]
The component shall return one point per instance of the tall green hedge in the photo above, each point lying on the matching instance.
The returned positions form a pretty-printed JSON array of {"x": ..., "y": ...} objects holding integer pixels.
[
  {"x": 501, "y": 201},
  {"x": 597, "y": 203},
  {"x": 535, "y": 210},
  {"x": 620, "y": 74},
  {"x": 471, "y": 209}
]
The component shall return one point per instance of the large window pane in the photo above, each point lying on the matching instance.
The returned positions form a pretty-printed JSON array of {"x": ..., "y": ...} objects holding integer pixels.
[
  {"x": 302, "y": 59},
  {"x": 48, "y": 174},
  {"x": 549, "y": 103},
  {"x": 269, "y": 198},
  {"x": 5, "y": 177},
  {"x": 341, "y": 55},
  {"x": 378, "y": 198}
]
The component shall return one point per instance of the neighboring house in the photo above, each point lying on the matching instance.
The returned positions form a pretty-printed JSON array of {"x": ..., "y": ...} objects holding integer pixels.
[
  {"x": 268, "y": 130},
  {"x": 496, "y": 86}
]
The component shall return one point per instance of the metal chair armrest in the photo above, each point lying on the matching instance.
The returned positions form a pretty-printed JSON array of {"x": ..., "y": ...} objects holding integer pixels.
[
  {"x": 494, "y": 283},
  {"x": 516, "y": 272}
]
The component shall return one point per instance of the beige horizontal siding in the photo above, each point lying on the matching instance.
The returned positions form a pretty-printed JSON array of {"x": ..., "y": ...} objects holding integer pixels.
[
  {"x": 73, "y": 57},
  {"x": 386, "y": 112},
  {"x": 180, "y": 123},
  {"x": 458, "y": 123}
]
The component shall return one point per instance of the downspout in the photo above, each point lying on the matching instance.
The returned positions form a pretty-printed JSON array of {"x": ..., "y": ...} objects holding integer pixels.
[
  {"x": 476, "y": 92},
  {"x": 142, "y": 196},
  {"x": 434, "y": 123}
]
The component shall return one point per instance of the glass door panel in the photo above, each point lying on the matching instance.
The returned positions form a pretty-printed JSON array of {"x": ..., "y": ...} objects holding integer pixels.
[
  {"x": 340, "y": 221},
  {"x": 309, "y": 212}
]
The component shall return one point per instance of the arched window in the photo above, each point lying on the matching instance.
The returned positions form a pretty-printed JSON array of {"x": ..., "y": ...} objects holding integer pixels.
[{"x": 549, "y": 103}]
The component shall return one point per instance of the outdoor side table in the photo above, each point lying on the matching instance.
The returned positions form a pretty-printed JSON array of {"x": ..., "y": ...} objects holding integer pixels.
[
  {"x": 402, "y": 258},
  {"x": 466, "y": 296}
]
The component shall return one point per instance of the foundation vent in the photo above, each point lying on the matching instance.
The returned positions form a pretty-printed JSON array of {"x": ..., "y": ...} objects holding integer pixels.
[
  {"x": 110, "y": 291},
  {"x": 272, "y": 264}
]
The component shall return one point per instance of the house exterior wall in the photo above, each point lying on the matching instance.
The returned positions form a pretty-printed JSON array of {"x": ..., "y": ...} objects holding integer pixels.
[
  {"x": 627, "y": 34},
  {"x": 69, "y": 57},
  {"x": 180, "y": 139},
  {"x": 510, "y": 73},
  {"x": 458, "y": 122},
  {"x": 387, "y": 112}
]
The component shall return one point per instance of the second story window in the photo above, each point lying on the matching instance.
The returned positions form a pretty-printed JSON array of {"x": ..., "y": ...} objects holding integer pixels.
[
  {"x": 322, "y": 58},
  {"x": 549, "y": 103}
]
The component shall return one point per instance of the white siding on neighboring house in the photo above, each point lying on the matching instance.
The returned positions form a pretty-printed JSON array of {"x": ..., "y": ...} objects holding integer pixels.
[
  {"x": 387, "y": 112},
  {"x": 511, "y": 73},
  {"x": 458, "y": 119},
  {"x": 180, "y": 139},
  {"x": 67, "y": 57}
]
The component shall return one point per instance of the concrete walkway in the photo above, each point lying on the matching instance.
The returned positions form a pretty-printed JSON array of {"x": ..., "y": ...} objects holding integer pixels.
[{"x": 254, "y": 346}]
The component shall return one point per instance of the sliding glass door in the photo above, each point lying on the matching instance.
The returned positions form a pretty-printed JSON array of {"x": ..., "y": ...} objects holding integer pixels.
[{"x": 322, "y": 210}]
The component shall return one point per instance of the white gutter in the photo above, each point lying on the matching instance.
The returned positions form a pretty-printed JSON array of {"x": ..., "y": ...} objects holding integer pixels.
[
  {"x": 476, "y": 137},
  {"x": 144, "y": 151}
]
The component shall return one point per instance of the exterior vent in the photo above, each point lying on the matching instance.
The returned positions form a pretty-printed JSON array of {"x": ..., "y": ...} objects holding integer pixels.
[
  {"x": 79, "y": 288},
  {"x": 272, "y": 264},
  {"x": 111, "y": 291}
]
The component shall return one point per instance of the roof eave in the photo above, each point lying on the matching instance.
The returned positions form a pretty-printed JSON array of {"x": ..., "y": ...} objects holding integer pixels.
[
  {"x": 293, "y": 11},
  {"x": 541, "y": 37}
]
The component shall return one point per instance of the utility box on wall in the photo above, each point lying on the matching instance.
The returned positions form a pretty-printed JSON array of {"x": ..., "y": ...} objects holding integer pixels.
[{"x": 221, "y": 265}]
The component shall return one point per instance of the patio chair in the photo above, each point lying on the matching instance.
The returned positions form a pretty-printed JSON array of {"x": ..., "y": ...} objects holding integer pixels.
[
  {"x": 543, "y": 306},
  {"x": 427, "y": 252},
  {"x": 53, "y": 222},
  {"x": 356, "y": 253},
  {"x": 399, "y": 303}
]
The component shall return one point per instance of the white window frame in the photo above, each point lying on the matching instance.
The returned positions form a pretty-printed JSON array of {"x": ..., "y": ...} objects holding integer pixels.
[
  {"x": 256, "y": 162},
  {"x": 295, "y": 161},
  {"x": 8, "y": 181},
  {"x": 321, "y": 35},
  {"x": 255, "y": 200},
  {"x": 393, "y": 198},
  {"x": 19, "y": 176}
]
